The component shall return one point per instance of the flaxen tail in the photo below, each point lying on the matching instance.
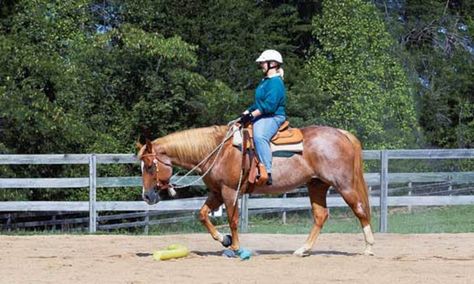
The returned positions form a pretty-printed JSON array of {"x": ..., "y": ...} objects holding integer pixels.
[{"x": 358, "y": 180}]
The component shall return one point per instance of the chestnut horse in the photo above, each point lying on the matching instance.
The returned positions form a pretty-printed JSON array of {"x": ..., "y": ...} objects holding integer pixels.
[{"x": 331, "y": 157}]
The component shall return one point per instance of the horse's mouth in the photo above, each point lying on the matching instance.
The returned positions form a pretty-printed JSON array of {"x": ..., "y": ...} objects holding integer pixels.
[
  {"x": 151, "y": 197},
  {"x": 150, "y": 202}
]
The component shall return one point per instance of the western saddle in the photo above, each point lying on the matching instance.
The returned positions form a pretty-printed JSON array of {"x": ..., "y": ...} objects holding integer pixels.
[{"x": 257, "y": 175}]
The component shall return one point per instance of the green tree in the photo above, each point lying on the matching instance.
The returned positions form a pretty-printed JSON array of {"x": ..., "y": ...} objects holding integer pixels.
[
  {"x": 35, "y": 73},
  {"x": 70, "y": 85},
  {"x": 228, "y": 35},
  {"x": 437, "y": 46},
  {"x": 353, "y": 81}
]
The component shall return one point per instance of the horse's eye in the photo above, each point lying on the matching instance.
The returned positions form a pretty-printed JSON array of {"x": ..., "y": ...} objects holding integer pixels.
[{"x": 150, "y": 169}]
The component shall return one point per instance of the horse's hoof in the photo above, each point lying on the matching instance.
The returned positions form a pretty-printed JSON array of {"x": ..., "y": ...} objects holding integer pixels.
[
  {"x": 369, "y": 252},
  {"x": 229, "y": 253},
  {"x": 301, "y": 252},
  {"x": 227, "y": 241}
]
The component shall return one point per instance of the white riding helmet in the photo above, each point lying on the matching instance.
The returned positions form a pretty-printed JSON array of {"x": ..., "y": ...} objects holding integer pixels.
[{"x": 270, "y": 55}]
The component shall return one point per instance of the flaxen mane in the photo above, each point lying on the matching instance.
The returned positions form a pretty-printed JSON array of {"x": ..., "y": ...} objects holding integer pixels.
[{"x": 192, "y": 144}]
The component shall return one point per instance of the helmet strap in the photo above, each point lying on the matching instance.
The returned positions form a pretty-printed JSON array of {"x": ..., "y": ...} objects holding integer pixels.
[{"x": 276, "y": 66}]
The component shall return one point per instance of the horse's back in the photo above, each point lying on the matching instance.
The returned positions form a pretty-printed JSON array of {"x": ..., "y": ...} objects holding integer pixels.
[
  {"x": 330, "y": 150},
  {"x": 328, "y": 136}
]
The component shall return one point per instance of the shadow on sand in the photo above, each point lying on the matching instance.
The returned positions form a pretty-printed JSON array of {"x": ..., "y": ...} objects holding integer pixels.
[
  {"x": 279, "y": 252},
  {"x": 143, "y": 254}
]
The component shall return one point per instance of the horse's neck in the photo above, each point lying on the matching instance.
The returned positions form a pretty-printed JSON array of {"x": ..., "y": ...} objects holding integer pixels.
[
  {"x": 200, "y": 165},
  {"x": 193, "y": 156},
  {"x": 188, "y": 165}
]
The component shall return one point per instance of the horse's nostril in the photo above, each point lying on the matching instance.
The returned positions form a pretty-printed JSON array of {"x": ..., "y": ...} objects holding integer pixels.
[
  {"x": 146, "y": 196},
  {"x": 150, "y": 197}
]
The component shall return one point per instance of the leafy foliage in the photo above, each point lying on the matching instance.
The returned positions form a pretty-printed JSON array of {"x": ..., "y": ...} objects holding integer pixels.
[
  {"x": 93, "y": 76},
  {"x": 354, "y": 79}
]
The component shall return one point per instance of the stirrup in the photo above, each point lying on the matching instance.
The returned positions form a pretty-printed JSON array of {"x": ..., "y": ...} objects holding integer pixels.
[{"x": 269, "y": 180}]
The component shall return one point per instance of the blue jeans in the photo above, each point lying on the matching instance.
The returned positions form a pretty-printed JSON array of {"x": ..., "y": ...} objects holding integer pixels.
[{"x": 264, "y": 127}]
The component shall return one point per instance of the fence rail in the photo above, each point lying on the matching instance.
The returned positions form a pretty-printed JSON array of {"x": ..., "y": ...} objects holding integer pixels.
[
  {"x": 383, "y": 178},
  {"x": 104, "y": 182}
]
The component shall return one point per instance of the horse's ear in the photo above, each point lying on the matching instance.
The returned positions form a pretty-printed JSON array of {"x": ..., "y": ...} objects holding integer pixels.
[
  {"x": 149, "y": 147},
  {"x": 139, "y": 146}
]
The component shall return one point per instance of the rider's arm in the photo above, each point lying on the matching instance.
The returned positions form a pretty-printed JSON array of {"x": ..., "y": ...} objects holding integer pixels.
[{"x": 255, "y": 113}]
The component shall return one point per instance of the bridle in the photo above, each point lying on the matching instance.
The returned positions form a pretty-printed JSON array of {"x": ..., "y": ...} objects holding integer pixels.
[{"x": 161, "y": 184}]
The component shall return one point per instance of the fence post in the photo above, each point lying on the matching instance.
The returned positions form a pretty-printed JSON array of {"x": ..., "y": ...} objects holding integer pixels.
[
  {"x": 9, "y": 222},
  {"x": 53, "y": 226},
  {"x": 410, "y": 186},
  {"x": 383, "y": 191},
  {"x": 244, "y": 214},
  {"x": 92, "y": 193},
  {"x": 450, "y": 186},
  {"x": 147, "y": 222},
  {"x": 283, "y": 216}
]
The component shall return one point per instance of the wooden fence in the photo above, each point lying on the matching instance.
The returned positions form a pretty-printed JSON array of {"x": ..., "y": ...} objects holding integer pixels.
[{"x": 382, "y": 179}]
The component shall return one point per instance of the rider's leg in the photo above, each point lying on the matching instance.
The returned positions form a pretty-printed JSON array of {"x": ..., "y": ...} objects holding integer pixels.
[{"x": 263, "y": 130}]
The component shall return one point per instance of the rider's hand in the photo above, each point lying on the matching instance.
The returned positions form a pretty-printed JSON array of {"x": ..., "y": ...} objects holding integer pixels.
[{"x": 246, "y": 117}]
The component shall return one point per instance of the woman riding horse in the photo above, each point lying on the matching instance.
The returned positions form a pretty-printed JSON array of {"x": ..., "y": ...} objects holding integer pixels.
[
  {"x": 268, "y": 111},
  {"x": 330, "y": 157}
]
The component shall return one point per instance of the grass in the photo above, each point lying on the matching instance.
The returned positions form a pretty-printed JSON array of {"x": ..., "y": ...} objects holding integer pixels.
[
  {"x": 447, "y": 219},
  {"x": 452, "y": 219}
]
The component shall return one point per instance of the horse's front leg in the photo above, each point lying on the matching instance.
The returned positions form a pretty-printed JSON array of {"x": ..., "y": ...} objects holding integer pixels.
[
  {"x": 230, "y": 195},
  {"x": 211, "y": 204}
]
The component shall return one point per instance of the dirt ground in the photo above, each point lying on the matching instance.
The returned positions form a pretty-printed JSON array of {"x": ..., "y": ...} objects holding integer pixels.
[{"x": 427, "y": 258}]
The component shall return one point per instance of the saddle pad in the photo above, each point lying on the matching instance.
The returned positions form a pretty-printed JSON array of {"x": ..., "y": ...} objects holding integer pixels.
[{"x": 297, "y": 147}]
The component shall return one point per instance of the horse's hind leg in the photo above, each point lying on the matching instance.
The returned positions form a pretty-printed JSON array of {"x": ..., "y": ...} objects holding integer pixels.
[
  {"x": 359, "y": 204},
  {"x": 317, "y": 191},
  {"x": 211, "y": 204}
]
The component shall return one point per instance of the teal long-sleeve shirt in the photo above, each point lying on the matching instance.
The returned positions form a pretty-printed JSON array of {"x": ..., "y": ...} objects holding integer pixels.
[{"x": 270, "y": 97}]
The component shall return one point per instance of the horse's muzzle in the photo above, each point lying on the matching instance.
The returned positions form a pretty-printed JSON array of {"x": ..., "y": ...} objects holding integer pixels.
[{"x": 151, "y": 196}]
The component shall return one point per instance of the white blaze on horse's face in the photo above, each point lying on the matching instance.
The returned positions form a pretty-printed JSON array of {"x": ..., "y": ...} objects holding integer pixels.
[{"x": 149, "y": 189}]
